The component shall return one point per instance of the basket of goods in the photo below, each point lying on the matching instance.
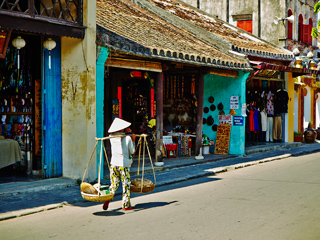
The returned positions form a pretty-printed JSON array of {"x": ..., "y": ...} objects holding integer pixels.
[
  {"x": 142, "y": 185},
  {"x": 96, "y": 192}
]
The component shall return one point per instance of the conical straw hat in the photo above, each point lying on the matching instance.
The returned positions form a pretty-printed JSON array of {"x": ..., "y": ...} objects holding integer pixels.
[{"x": 118, "y": 124}]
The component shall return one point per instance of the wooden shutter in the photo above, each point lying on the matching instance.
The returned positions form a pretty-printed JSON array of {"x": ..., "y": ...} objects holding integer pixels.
[
  {"x": 305, "y": 30},
  {"x": 290, "y": 28},
  {"x": 289, "y": 34},
  {"x": 309, "y": 32},
  {"x": 300, "y": 29},
  {"x": 245, "y": 25}
]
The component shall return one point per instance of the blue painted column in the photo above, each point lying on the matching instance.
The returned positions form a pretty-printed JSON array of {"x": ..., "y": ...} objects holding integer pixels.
[
  {"x": 52, "y": 113},
  {"x": 102, "y": 57},
  {"x": 243, "y": 100}
]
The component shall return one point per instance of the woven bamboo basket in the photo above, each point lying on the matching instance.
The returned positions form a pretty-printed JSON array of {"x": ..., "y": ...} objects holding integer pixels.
[
  {"x": 92, "y": 193},
  {"x": 96, "y": 198},
  {"x": 139, "y": 185},
  {"x": 142, "y": 185}
]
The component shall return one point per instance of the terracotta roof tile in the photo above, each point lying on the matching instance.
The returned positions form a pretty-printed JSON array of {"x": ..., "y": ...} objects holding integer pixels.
[
  {"x": 241, "y": 40},
  {"x": 131, "y": 27}
]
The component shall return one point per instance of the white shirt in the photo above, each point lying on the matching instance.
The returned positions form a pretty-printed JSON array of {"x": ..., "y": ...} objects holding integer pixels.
[
  {"x": 122, "y": 149},
  {"x": 264, "y": 118}
]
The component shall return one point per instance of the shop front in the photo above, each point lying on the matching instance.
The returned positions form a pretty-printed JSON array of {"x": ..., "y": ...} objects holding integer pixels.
[
  {"x": 130, "y": 94},
  {"x": 23, "y": 99},
  {"x": 180, "y": 109},
  {"x": 30, "y": 87},
  {"x": 266, "y": 108},
  {"x": 156, "y": 103}
]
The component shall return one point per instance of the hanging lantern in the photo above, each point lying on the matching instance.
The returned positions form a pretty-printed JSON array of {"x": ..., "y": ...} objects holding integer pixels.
[
  {"x": 18, "y": 43},
  {"x": 49, "y": 44}
]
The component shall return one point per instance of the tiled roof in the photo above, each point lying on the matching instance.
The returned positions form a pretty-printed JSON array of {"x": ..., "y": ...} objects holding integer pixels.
[
  {"x": 242, "y": 41},
  {"x": 126, "y": 27}
]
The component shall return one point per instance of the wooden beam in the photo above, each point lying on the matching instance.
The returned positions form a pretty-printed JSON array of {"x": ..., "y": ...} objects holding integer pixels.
[
  {"x": 134, "y": 64},
  {"x": 159, "y": 116},
  {"x": 269, "y": 79},
  {"x": 199, "y": 114},
  {"x": 225, "y": 73}
]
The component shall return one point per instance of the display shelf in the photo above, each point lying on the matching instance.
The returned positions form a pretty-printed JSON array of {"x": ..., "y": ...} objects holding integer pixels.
[{"x": 15, "y": 113}]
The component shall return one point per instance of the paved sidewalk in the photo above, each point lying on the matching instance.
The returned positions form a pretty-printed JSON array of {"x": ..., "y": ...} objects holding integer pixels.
[{"x": 23, "y": 198}]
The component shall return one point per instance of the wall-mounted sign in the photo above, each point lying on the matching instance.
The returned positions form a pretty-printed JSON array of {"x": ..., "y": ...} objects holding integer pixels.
[
  {"x": 243, "y": 110},
  {"x": 225, "y": 119},
  {"x": 234, "y": 102},
  {"x": 4, "y": 41},
  {"x": 136, "y": 74},
  {"x": 237, "y": 121}
]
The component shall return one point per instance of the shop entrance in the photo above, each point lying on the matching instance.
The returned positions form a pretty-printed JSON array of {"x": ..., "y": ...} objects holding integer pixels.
[
  {"x": 20, "y": 110},
  {"x": 30, "y": 111},
  {"x": 136, "y": 103},
  {"x": 266, "y": 105}
]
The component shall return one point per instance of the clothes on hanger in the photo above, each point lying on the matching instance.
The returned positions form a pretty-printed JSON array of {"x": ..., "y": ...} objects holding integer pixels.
[
  {"x": 270, "y": 104},
  {"x": 281, "y": 101}
]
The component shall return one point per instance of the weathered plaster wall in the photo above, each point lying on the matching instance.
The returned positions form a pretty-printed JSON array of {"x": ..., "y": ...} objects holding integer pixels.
[
  {"x": 78, "y": 98},
  {"x": 219, "y": 9},
  {"x": 222, "y": 88}
]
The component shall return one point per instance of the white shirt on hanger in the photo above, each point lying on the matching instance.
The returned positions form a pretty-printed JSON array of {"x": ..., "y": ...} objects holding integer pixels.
[{"x": 264, "y": 118}]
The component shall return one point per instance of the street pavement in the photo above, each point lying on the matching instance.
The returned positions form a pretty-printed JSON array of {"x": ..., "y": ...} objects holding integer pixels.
[{"x": 24, "y": 198}]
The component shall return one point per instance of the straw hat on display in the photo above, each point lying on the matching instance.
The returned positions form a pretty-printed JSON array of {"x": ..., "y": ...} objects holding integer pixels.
[{"x": 118, "y": 124}]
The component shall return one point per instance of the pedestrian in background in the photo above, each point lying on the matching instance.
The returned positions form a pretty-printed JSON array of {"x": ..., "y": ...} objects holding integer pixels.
[{"x": 122, "y": 149}]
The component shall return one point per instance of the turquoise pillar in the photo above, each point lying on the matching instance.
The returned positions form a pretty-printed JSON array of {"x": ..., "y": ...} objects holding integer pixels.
[
  {"x": 222, "y": 88},
  {"x": 102, "y": 57}
]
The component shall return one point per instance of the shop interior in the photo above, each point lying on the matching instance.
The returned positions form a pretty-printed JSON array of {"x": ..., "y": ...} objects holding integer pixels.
[
  {"x": 20, "y": 109},
  {"x": 180, "y": 112},
  {"x": 134, "y": 92},
  {"x": 266, "y": 103},
  {"x": 130, "y": 94},
  {"x": 136, "y": 103}
]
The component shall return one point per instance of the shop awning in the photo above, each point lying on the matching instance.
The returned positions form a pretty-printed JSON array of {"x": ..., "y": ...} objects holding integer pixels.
[
  {"x": 40, "y": 25},
  {"x": 268, "y": 66}
]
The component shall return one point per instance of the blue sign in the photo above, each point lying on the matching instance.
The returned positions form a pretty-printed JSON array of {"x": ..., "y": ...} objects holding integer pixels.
[{"x": 237, "y": 121}]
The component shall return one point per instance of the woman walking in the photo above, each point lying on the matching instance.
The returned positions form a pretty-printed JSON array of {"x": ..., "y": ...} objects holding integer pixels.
[{"x": 122, "y": 149}]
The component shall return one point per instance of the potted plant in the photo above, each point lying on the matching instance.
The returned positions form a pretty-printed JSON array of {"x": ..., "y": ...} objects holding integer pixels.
[
  {"x": 298, "y": 137},
  {"x": 206, "y": 143},
  {"x": 310, "y": 134}
]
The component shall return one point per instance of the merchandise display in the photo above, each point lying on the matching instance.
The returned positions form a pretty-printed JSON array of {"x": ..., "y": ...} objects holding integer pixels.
[
  {"x": 180, "y": 104},
  {"x": 19, "y": 102},
  {"x": 264, "y": 109}
]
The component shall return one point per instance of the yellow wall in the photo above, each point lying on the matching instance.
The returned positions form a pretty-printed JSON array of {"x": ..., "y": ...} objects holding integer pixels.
[
  {"x": 290, "y": 107},
  {"x": 78, "y": 98}
]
